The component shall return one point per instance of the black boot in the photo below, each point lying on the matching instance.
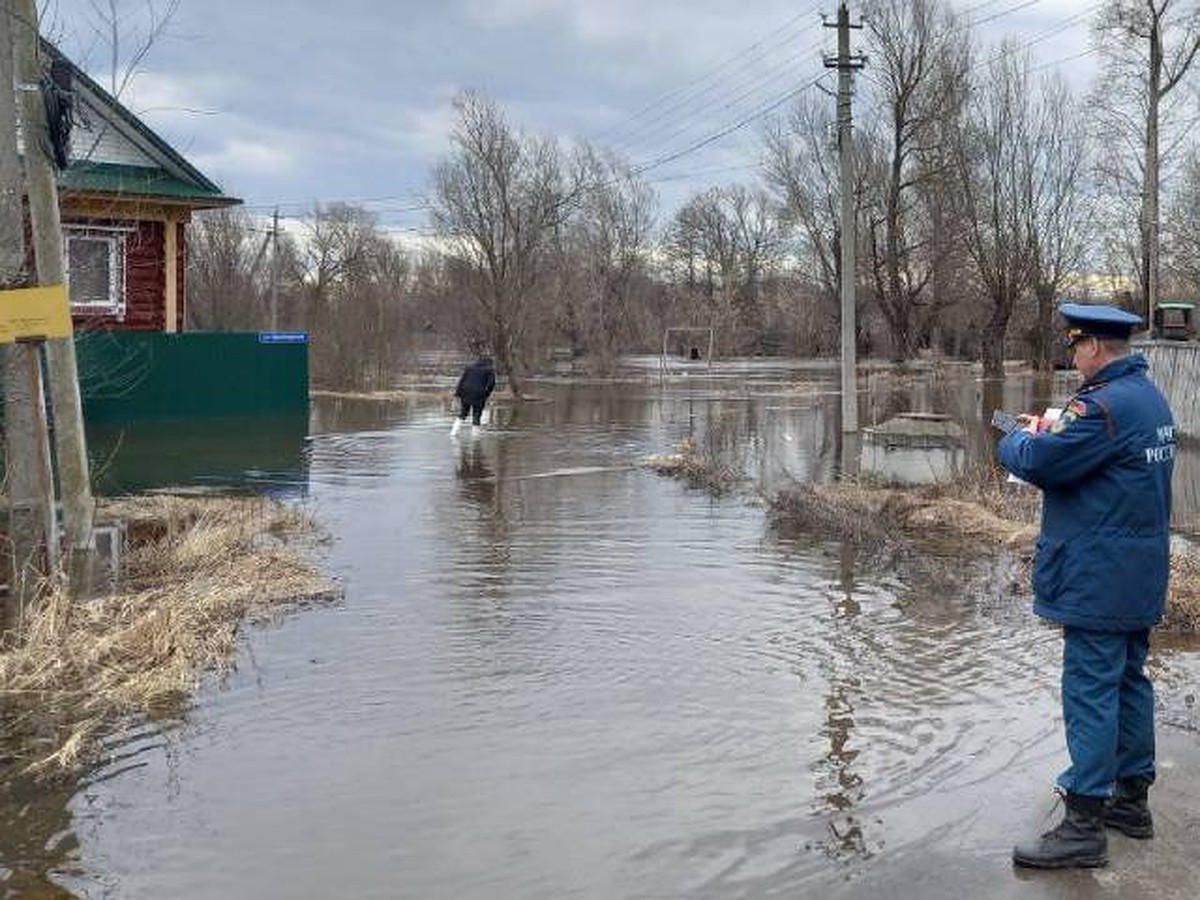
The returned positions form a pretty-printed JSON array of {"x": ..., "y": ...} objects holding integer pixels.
[
  {"x": 1127, "y": 810},
  {"x": 1077, "y": 841}
]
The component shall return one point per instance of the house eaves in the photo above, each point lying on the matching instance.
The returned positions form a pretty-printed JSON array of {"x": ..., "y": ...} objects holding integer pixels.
[{"x": 175, "y": 178}]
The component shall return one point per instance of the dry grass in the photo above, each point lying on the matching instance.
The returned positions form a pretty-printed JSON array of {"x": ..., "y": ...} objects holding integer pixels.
[
  {"x": 195, "y": 568},
  {"x": 964, "y": 512},
  {"x": 1183, "y": 597},
  {"x": 975, "y": 513},
  {"x": 709, "y": 468}
]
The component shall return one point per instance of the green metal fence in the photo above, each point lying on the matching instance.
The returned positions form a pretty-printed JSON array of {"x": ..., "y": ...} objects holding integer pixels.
[{"x": 131, "y": 375}]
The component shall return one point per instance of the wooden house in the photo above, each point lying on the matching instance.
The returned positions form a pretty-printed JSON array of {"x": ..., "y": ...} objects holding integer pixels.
[{"x": 125, "y": 199}]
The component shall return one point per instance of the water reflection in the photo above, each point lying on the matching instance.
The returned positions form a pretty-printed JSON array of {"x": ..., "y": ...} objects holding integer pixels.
[
  {"x": 37, "y": 841},
  {"x": 557, "y": 675},
  {"x": 265, "y": 454},
  {"x": 842, "y": 785},
  {"x": 476, "y": 479}
]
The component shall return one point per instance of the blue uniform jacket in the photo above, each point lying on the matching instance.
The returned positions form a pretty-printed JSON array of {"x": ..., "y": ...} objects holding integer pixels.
[{"x": 1105, "y": 472}]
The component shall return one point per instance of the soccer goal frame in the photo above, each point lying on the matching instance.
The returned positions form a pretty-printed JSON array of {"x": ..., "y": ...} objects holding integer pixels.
[{"x": 686, "y": 329}]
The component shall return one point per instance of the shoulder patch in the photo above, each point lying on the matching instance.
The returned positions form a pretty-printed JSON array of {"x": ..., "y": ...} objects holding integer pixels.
[{"x": 1076, "y": 409}]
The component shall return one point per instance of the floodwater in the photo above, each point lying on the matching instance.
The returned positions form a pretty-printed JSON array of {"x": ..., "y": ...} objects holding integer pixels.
[{"x": 557, "y": 675}]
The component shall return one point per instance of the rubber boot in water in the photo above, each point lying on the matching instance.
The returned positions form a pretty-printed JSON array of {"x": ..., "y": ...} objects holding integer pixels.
[
  {"x": 454, "y": 428},
  {"x": 1078, "y": 841},
  {"x": 1127, "y": 810}
]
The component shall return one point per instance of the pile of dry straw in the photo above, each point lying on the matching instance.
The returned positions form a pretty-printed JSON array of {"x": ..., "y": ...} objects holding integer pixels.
[{"x": 194, "y": 569}]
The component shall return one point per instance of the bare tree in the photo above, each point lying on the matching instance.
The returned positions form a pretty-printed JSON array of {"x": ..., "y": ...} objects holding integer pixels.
[
  {"x": 918, "y": 54},
  {"x": 1150, "y": 44},
  {"x": 725, "y": 244},
  {"x": 356, "y": 284},
  {"x": 1182, "y": 239},
  {"x": 225, "y": 256},
  {"x": 602, "y": 267},
  {"x": 998, "y": 170},
  {"x": 499, "y": 200},
  {"x": 800, "y": 169},
  {"x": 128, "y": 40},
  {"x": 1061, "y": 213}
]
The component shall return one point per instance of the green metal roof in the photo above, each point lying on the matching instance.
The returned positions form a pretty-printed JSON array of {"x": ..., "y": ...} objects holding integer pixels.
[{"x": 139, "y": 181}]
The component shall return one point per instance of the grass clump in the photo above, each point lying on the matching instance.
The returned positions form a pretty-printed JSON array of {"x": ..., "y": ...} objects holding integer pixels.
[
  {"x": 981, "y": 511},
  {"x": 715, "y": 467},
  {"x": 194, "y": 570}
]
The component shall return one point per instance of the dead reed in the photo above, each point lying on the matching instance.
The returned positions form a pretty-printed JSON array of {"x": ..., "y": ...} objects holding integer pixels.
[
  {"x": 980, "y": 512},
  {"x": 195, "y": 569},
  {"x": 713, "y": 467}
]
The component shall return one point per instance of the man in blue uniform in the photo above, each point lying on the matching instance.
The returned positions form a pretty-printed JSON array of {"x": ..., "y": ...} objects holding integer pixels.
[{"x": 1104, "y": 468}]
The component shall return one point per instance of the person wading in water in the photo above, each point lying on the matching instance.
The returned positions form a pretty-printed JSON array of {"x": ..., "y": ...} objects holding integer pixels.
[{"x": 475, "y": 385}]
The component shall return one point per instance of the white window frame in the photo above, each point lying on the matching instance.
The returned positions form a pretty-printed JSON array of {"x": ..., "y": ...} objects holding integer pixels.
[{"x": 114, "y": 238}]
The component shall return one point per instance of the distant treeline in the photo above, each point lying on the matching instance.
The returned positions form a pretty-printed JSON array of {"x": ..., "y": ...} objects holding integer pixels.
[{"x": 986, "y": 189}]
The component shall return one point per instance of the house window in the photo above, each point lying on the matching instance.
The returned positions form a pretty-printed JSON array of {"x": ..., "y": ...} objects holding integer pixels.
[{"x": 96, "y": 272}]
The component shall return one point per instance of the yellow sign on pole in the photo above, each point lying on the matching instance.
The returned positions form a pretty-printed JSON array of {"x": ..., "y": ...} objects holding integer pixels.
[{"x": 34, "y": 313}]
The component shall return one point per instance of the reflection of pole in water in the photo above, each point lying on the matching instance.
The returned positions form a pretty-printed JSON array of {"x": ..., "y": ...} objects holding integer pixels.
[
  {"x": 849, "y": 453},
  {"x": 843, "y": 793}
]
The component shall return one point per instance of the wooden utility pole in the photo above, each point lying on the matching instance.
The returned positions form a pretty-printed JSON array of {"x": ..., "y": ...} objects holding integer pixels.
[
  {"x": 32, "y": 528},
  {"x": 70, "y": 442},
  {"x": 845, "y": 63}
]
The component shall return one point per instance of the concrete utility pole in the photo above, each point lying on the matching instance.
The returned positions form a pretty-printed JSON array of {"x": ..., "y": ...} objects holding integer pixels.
[
  {"x": 275, "y": 270},
  {"x": 69, "y": 438},
  {"x": 33, "y": 530},
  {"x": 846, "y": 64},
  {"x": 1150, "y": 216}
]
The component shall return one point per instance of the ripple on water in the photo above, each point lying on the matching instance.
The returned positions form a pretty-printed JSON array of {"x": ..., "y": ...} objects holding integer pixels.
[{"x": 553, "y": 676}]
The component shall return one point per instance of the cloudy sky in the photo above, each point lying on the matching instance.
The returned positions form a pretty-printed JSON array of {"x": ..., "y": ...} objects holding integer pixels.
[{"x": 289, "y": 102}]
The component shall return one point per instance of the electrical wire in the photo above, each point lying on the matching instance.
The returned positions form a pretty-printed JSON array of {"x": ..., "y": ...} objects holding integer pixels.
[
  {"x": 757, "y": 48},
  {"x": 681, "y": 100}
]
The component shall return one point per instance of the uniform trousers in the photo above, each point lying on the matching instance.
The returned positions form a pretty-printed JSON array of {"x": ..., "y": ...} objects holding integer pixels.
[{"x": 1108, "y": 709}]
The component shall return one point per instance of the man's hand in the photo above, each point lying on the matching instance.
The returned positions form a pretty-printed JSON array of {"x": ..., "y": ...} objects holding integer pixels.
[{"x": 1033, "y": 424}]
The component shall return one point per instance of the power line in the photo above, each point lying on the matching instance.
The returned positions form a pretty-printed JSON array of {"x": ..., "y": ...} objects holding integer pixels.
[
  {"x": 1038, "y": 38},
  {"x": 698, "y": 91},
  {"x": 697, "y": 108},
  {"x": 786, "y": 72},
  {"x": 349, "y": 201},
  {"x": 1065, "y": 59},
  {"x": 730, "y": 129},
  {"x": 712, "y": 74},
  {"x": 1004, "y": 12}
]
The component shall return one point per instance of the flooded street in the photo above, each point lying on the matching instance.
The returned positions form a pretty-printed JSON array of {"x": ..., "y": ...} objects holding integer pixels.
[{"x": 557, "y": 675}]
